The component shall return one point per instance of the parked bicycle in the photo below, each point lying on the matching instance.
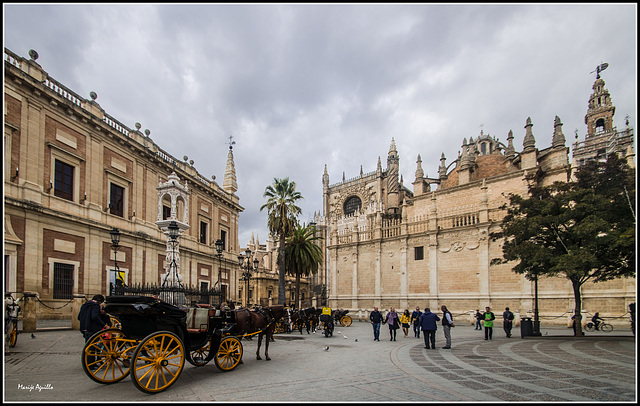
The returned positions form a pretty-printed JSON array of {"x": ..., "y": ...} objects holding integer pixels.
[
  {"x": 590, "y": 326},
  {"x": 11, "y": 309}
]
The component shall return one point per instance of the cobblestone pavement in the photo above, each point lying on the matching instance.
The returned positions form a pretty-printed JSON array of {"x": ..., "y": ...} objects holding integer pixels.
[{"x": 553, "y": 367}]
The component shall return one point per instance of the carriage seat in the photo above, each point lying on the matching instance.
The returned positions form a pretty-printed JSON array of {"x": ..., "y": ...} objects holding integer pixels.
[{"x": 198, "y": 319}]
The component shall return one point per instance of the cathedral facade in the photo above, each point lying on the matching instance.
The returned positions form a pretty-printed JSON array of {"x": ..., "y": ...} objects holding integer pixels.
[{"x": 388, "y": 245}]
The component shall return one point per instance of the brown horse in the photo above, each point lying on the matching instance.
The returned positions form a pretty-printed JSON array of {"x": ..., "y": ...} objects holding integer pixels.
[{"x": 261, "y": 321}]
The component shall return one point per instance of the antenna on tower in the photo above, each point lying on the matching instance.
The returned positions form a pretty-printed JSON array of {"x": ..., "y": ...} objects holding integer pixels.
[
  {"x": 599, "y": 69},
  {"x": 231, "y": 142}
]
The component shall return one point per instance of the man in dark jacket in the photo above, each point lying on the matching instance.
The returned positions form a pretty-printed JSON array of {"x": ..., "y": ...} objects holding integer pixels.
[
  {"x": 376, "y": 319},
  {"x": 507, "y": 321},
  {"x": 415, "y": 321},
  {"x": 91, "y": 319},
  {"x": 428, "y": 324}
]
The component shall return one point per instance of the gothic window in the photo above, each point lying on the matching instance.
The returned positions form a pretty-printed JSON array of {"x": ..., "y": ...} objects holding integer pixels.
[
  {"x": 483, "y": 148},
  {"x": 351, "y": 205}
]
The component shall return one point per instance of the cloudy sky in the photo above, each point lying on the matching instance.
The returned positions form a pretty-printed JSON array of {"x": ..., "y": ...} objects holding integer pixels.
[{"x": 301, "y": 86}]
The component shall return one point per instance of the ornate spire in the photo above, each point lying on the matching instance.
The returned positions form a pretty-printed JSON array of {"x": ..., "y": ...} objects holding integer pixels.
[
  {"x": 442, "y": 170},
  {"x": 529, "y": 142},
  {"x": 419, "y": 171},
  {"x": 229, "y": 184},
  {"x": 325, "y": 177},
  {"x": 558, "y": 136},
  {"x": 511, "y": 151}
]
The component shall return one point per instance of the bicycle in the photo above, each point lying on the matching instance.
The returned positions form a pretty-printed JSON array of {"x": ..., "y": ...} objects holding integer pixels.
[
  {"x": 590, "y": 326},
  {"x": 12, "y": 308}
]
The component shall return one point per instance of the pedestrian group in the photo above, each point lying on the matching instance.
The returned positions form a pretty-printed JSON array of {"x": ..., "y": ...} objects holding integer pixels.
[{"x": 427, "y": 323}]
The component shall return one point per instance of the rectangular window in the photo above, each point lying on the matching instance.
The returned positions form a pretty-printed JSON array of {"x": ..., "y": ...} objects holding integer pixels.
[
  {"x": 62, "y": 281},
  {"x": 203, "y": 232},
  {"x": 63, "y": 180},
  {"x": 223, "y": 237},
  {"x": 116, "y": 200},
  {"x": 418, "y": 253}
]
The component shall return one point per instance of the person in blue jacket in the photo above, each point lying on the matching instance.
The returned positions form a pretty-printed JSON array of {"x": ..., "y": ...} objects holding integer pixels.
[{"x": 429, "y": 325}]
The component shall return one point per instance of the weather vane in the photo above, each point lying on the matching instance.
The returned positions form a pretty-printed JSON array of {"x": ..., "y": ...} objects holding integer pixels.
[
  {"x": 231, "y": 142},
  {"x": 599, "y": 69}
]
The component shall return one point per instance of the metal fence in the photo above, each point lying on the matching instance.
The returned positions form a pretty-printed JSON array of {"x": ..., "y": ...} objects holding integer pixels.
[{"x": 180, "y": 296}]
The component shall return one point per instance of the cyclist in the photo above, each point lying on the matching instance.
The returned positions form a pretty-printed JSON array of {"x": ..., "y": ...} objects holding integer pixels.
[{"x": 596, "y": 320}]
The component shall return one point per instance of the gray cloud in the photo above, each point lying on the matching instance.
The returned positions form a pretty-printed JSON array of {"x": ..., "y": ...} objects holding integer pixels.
[{"x": 301, "y": 86}]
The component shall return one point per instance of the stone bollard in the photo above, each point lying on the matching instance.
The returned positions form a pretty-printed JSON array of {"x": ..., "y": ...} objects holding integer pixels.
[
  {"x": 472, "y": 317},
  {"x": 516, "y": 318},
  {"x": 78, "y": 301},
  {"x": 29, "y": 313}
]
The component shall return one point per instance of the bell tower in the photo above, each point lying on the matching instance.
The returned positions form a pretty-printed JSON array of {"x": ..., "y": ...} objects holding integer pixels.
[{"x": 599, "y": 117}]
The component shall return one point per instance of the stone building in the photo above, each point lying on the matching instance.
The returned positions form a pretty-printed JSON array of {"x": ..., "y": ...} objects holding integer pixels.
[
  {"x": 73, "y": 173},
  {"x": 388, "y": 245}
]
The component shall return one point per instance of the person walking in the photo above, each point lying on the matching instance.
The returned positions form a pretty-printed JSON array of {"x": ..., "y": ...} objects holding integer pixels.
[
  {"x": 488, "y": 318},
  {"x": 507, "y": 321},
  {"x": 394, "y": 323},
  {"x": 429, "y": 326},
  {"x": 447, "y": 323},
  {"x": 415, "y": 321},
  {"x": 405, "y": 319},
  {"x": 478, "y": 320},
  {"x": 92, "y": 318},
  {"x": 376, "y": 319}
]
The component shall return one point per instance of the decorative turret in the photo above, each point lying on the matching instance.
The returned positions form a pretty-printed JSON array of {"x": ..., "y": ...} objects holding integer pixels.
[
  {"x": 558, "y": 136},
  {"x": 511, "y": 151},
  {"x": 529, "y": 142},
  {"x": 529, "y": 155},
  {"x": 442, "y": 169}
]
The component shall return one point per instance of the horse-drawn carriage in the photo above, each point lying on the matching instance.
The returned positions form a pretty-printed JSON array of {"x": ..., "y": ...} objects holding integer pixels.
[
  {"x": 341, "y": 317},
  {"x": 156, "y": 338}
]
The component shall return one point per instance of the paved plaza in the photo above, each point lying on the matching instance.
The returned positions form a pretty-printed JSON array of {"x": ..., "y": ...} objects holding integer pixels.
[{"x": 553, "y": 367}]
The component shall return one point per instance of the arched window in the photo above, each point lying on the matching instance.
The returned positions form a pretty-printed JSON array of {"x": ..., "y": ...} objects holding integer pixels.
[
  {"x": 352, "y": 204},
  {"x": 600, "y": 125}
]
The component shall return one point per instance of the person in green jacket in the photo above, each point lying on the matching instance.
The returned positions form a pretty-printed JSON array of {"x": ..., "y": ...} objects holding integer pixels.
[{"x": 488, "y": 318}]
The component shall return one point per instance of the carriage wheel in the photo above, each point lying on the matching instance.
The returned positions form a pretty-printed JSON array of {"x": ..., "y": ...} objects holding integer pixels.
[
  {"x": 198, "y": 356},
  {"x": 13, "y": 333},
  {"x": 115, "y": 323},
  {"x": 229, "y": 354},
  {"x": 157, "y": 362},
  {"x": 345, "y": 321},
  {"x": 106, "y": 356}
]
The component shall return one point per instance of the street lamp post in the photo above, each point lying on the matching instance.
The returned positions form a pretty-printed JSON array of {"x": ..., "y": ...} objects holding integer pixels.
[
  {"x": 174, "y": 231},
  {"x": 219, "y": 245},
  {"x": 115, "y": 244},
  {"x": 245, "y": 266}
]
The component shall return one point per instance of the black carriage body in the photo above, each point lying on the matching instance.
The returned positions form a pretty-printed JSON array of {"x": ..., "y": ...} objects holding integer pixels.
[{"x": 144, "y": 315}]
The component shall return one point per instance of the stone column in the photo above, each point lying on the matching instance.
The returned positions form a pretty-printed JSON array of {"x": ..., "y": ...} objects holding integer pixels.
[{"x": 29, "y": 313}]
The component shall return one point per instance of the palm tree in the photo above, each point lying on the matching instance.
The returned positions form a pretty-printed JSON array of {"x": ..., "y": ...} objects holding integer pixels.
[
  {"x": 282, "y": 220},
  {"x": 302, "y": 255}
]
